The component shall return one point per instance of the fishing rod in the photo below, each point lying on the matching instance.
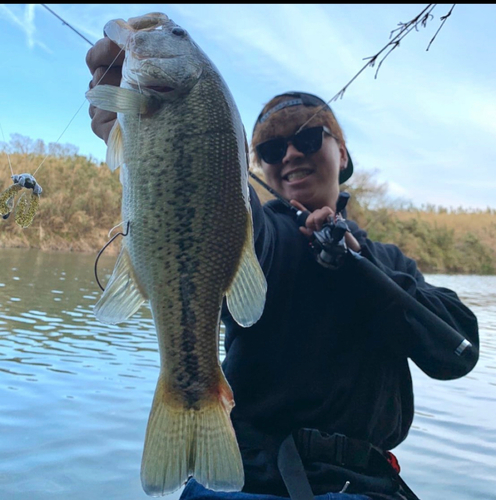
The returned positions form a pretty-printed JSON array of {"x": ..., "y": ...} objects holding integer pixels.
[
  {"x": 328, "y": 244},
  {"x": 330, "y": 251},
  {"x": 66, "y": 23},
  {"x": 27, "y": 207},
  {"x": 301, "y": 216}
]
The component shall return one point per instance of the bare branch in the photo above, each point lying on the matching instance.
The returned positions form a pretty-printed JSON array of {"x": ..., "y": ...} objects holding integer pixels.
[
  {"x": 382, "y": 60},
  {"x": 402, "y": 31},
  {"x": 443, "y": 19}
]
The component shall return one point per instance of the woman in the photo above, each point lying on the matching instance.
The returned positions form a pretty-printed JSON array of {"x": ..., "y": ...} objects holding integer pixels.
[{"x": 321, "y": 382}]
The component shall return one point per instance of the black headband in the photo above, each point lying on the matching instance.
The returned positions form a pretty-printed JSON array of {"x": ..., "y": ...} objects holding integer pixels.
[
  {"x": 301, "y": 98},
  {"x": 305, "y": 99}
]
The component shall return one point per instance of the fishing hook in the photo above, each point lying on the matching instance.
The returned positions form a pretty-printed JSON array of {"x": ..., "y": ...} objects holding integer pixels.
[{"x": 103, "y": 249}]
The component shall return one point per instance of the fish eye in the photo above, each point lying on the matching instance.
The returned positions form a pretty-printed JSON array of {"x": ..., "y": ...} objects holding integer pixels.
[{"x": 178, "y": 31}]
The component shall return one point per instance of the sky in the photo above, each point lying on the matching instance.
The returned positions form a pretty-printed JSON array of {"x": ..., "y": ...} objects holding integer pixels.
[{"x": 425, "y": 125}]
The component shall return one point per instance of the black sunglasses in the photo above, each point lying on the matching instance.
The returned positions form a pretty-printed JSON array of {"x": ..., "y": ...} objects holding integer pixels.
[{"x": 308, "y": 141}]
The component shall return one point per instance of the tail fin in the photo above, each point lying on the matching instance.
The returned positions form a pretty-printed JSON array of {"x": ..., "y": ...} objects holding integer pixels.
[{"x": 183, "y": 442}]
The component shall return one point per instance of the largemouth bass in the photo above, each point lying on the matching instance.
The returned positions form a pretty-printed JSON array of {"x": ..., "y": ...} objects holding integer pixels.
[{"x": 181, "y": 148}]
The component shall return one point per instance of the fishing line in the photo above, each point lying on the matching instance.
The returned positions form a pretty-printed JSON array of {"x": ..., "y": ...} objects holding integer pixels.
[
  {"x": 60, "y": 136},
  {"x": 26, "y": 209},
  {"x": 79, "y": 109},
  {"x": 85, "y": 101},
  {"x": 6, "y": 152},
  {"x": 139, "y": 123}
]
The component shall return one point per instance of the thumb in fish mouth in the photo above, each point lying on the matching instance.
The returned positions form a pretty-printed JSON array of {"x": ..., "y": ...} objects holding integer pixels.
[
  {"x": 119, "y": 31},
  {"x": 147, "y": 21}
]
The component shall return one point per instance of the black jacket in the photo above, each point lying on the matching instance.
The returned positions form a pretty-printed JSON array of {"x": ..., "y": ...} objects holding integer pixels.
[{"x": 331, "y": 348}]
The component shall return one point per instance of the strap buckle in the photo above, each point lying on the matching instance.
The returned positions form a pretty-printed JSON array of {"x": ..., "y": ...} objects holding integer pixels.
[
  {"x": 316, "y": 445},
  {"x": 336, "y": 448}
]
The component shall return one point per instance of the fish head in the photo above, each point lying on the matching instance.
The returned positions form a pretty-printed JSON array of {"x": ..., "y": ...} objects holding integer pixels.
[{"x": 160, "y": 55}]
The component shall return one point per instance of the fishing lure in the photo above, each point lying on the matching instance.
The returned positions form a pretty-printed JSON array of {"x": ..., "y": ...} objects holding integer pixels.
[{"x": 27, "y": 205}]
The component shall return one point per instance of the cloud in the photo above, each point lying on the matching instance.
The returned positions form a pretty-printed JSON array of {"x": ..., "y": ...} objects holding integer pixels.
[
  {"x": 25, "y": 22},
  {"x": 427, "y": 121},
  {"x": 422, "y": 121},
  {"x": 277, "y": 42}
]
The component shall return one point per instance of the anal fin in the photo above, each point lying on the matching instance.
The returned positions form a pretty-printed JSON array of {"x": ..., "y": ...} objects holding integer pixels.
[{"x": 122, "y": 297}]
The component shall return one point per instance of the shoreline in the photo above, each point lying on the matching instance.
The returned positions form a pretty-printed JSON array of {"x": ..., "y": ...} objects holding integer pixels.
[
  {"x": 81, "y": 202},
  {"x": 109, "y": 252}
]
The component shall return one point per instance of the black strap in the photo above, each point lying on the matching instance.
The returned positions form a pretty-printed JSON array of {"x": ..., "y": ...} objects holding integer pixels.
[
  {"x": 409, "y": 494},
  {"x": 292, "y": 471},
  {"x": 338, "y": 449}
]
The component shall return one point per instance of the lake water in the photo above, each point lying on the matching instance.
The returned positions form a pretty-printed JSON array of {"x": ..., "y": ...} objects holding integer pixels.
[{"x": 75, "y": 394}]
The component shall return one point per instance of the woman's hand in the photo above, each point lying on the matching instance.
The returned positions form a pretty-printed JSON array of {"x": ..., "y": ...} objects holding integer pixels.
[
  {"x": 98, "y": 59},
  {"x": 318, "y": 218}
]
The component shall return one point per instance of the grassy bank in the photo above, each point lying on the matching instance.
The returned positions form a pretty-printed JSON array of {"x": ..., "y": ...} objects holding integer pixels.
[
  {"x": 81, "y": 198},
  {"x": 438, "y": 239},
  {"x": 80, "y": 203}
]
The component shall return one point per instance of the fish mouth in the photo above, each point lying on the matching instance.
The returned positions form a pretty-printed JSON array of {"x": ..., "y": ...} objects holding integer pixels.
[{"x": 163, "y": 89}]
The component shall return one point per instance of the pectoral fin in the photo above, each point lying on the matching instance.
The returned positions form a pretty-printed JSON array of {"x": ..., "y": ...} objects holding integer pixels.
[
  {"x": 122, "y": 296},
  {"x": 120, "y": 100},
  {"x": 115, "y": 147},
  {"x": 246, "y": 296}
]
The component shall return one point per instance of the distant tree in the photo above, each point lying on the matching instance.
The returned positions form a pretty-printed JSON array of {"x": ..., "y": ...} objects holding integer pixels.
[{"x": 62, "y": 150}]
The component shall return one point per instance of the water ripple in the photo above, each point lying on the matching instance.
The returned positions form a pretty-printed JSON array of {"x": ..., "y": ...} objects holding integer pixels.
[{"x": 75, "y": 394}]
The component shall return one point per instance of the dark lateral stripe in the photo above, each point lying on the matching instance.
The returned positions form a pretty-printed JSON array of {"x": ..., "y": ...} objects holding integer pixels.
[
  {"x": 184, "y": 214},
  {"x": 189, "y": 386}
]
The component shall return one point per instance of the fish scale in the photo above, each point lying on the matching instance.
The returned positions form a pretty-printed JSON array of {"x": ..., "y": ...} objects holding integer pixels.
[{"x": 184, "y": 171}]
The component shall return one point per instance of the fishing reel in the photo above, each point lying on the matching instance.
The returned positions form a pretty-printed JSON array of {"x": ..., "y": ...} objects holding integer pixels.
[{"x": 328, "y": 245}]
